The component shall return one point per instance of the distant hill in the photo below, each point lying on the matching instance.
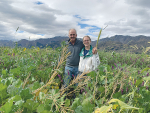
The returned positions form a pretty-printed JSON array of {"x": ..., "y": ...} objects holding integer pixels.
[
  {"x": 118, "y": 43},
  {"x": 52, "y": 42},
  {"x": 8, "y": 43},
  {"x": 135, "y": 44}
]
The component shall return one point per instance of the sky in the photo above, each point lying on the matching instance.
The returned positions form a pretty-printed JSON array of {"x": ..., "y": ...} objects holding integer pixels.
[{"x": 32, "y": 19}]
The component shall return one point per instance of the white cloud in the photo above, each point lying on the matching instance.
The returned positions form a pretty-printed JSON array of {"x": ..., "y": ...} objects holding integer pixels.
[{"x": 56, "y": 17}]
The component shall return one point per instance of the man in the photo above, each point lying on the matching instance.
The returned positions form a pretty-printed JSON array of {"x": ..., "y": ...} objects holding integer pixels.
[{"x": 72, "y": 62}]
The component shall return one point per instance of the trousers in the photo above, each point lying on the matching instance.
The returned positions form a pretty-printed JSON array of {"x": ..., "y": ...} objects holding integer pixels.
[{"x": 70, "y": 73}]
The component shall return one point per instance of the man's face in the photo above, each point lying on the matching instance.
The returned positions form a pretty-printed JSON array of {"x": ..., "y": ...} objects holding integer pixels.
[{"x": 72, "y": 35}]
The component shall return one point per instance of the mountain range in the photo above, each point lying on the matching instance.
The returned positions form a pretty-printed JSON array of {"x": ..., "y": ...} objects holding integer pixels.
[{"x": 136, "y": 44}]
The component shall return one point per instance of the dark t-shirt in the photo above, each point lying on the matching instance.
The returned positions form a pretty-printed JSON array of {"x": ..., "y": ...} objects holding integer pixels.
[
  {"x": 73, "y": 59},
  {"x": 85, "y": 51}
]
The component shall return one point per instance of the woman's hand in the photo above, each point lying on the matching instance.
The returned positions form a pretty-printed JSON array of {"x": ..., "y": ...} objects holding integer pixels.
[{"x": 94, "y": 51}]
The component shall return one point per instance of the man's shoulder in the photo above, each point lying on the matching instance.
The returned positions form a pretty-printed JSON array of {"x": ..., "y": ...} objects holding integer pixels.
[
  {"x": 67, "y": 41},
  {"x": 79, "y": 42}
]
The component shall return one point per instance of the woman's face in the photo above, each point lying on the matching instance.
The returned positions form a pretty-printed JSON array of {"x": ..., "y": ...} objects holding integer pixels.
[{"x": 86, "y": 41}]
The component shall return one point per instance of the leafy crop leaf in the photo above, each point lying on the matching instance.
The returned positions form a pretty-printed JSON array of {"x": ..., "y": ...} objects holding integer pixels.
[
  {"x": 47, "y": 104},
  {"x": 19, "y": 103},
  {"x": 87, "y": 107},
  {"x": 146, "y": 78},
  {"x": 76, "y": 103},
  {"x": 92, "y": 74},
  {"x": 108, "y": 68},
  {"x": 15, "y": 71},
  {"x": 117, "y": 95},
  {"x": 45, "y": 111},
  {"x": 138, "y": 82},
  {"x": 17, "y": 83},
  {"x": 48, "y": 101},
  {"x": 40, "y": 108},
  {"x": 41, "y": 95},
  {"x": 7, "y": 107},
  {"x": 4, "y": 72},
  {"x": 101, "y": 89},
  {"x": 16, "y": 98},
  {"x": 31, "y": 105},
  {"x": 78, "y": 109},
  {"x": 3, "y": 91},
  {"x": 145, "y": 69},
  {"x": 7, "y": 81},
  {"x": 122, "y": 104},
  {"x": 25, "y": 94},
  {"x": 103, "y": 109},
  {"x": 2, "y": 87},
  {"x": 36, "y": 85},
  {"x": 12, "y": 90},
  {"x": 99, "y": 102},
  {"x": 67, "y": 102},
  {"x": 101, "y": 70}
]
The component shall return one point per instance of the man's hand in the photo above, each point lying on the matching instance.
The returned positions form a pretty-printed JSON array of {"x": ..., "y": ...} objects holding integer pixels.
[{"x": 94, "y": 51}]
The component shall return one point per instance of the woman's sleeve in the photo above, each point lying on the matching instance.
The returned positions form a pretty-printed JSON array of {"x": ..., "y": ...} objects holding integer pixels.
[{"x": 95, "y": 61}]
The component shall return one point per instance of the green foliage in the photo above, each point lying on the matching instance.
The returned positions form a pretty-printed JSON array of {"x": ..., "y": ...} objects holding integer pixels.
[
  {"x": 87, "y": 106},
  {"x": 122, "y": 104},
  {"x": 67, "y": 102},
  {"x": 30, "y": 106},
  {"x": 7, "y": 107},
  {"x": 122, "y": 76},
  {"x": 76, "y": 103},
  {"x": 25, "y": 94},
  {"x": 3, "y": 92}
]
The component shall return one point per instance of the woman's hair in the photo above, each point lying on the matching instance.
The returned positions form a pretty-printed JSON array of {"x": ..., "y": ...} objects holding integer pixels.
[{"x": 88, "y": 37}]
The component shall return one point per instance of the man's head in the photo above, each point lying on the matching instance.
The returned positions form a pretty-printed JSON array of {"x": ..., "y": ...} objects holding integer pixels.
[{"x": 72, "y": 35}]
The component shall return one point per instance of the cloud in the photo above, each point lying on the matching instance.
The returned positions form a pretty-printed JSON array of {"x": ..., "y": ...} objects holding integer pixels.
[
  {"x": 49, "y": 18},
  {"x": 139, "y": 3},
  {"x": 38, "y": 2}
]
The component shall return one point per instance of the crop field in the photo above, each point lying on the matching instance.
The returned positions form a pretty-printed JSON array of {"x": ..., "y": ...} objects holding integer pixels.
[{"x": 31, "y": 81}]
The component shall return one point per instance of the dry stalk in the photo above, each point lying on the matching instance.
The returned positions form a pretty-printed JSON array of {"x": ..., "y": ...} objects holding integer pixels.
[
  {"x": 115, "y": 83},
  {"x": 79, "y": 86},
  {"x": 18, "y": 111},
  {"x": 106, "y": 90},
  {"x": 65, "y": 109},
  {"x": 114, "y": 89},
  {"x": 74, "y": 81},
  {"x": 105, "y": 86},
  {"x": 26, "y": 80},
  {"x": 122, "y": 84},
  {"x": 57, "y": 105},
  {"x": 62, "y": 59},
  {"x": 147, "y": 49}
]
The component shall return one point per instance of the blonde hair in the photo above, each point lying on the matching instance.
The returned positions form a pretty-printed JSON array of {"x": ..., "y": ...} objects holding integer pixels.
[{"x": 88, "y": 37}]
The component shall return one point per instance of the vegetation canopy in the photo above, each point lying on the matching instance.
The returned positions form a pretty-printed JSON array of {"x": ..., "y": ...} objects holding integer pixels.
[{"x": 31, "y": 81}]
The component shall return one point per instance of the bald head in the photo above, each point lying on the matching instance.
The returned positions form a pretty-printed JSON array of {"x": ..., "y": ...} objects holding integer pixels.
[
  {"x": 72, "y": 29},
  {"x": 72, "y": 35}
]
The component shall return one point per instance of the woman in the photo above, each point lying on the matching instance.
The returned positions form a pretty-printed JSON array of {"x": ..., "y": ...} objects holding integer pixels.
[{"x": 88, "y": 60}]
